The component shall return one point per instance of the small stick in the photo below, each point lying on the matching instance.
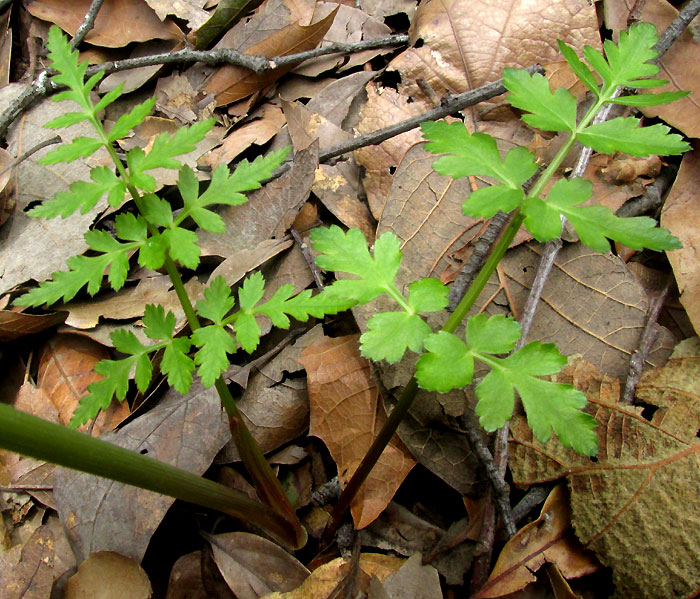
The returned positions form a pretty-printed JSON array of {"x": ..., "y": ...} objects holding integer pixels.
[
  {"x": 304, "y": 247},
  {"x": 649, "y": 334},
  {"x": 56, "y": 139},
  {"x": 87, "y": 24}
]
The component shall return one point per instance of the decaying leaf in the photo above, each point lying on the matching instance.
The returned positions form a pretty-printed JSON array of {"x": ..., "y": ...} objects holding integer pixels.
[
  {"x": 186, "y": 432},
  {"x": 118, "y": 23},
  {"x": 634, "y": 506},
  {"x": 325, "y": 578},
  {"x": 549, "y": 539},
  {"x": 14, "y": 325},
  {"x": 253, "y": 566},
  {"x": 345, "y": 414},
  {"x": 27, "y": 571},
  {"x": 681, "y": 216}
]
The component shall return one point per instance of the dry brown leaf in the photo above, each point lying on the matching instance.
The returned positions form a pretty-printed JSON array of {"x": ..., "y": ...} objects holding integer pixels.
[
  {"x": 549, "y": 539},
  {"x": 325, "y": 578},
  {"x": 35, "y": 400},
  {"x": 386, "y": 8},
  {"x": 591, "y": 305},
  {"x": 468, "y": 44},
  {"x": 383, "y": 108},
  {"x": 269, "y": 211},
  {"x": 681, "y": 215},
  {"x": 118, "y": 23},
  {"x": 680, "y": 65},
  {"x": 35, "y": 248},
  {"x": 275, "y": 413},
  {"x": 412, "y": 579},
  {"x": 265, "y": 124},
  {"x": 350, "y": 25},
  {"x": 108, "y": 575},
  {"x": 66, "y": 368},
  {"x": 231, "y": 83},
  {"x": 253, "y": 566},
  {"x": 14, "y": 325},
  {"x": 130, "y": 302},
  {"x": 100, "y": 514},
  {"x": 635, "y": 505},
  {"x": 26, "y": 572},
  {"x": 133, "y": 79},
  {"x": 345, "y": 415},
  {"x": 191, "y": 11},
  {"x": 188, "y": 576}
]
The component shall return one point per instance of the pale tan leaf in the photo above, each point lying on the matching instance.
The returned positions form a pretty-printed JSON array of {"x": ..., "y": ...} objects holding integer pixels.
[
  {"x": 346, "y": 416},
  {"x": 108, "y": 575},
  {"x": 191, "y": 11},
  {"x": 118, "y": 23},
  {"x": 681, "y": 215}
]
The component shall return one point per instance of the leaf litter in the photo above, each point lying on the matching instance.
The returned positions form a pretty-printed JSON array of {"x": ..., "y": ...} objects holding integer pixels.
[{"x": 643, "y": 479}]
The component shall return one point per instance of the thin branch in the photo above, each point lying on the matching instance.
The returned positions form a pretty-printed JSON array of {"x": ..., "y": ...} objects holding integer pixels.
[
  {"x": 649, "y": 335},
  {"x": 677, "y": 26},
  {"x": 56, "y": 139},
  {"x": 87, "y": 24}
]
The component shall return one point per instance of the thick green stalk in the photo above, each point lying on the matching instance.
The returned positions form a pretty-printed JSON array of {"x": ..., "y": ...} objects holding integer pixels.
[
  {"x": 32, "y": 436},
  {"x": 264, "y": 478}
]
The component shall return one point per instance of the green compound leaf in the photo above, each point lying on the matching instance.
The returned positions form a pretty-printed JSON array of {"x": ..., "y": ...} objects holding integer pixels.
[
  {"x": 444, "y": 349},
  {"x": 217, "y": 302},
  {"x": 389, "y": 334},
  {"x": 115, "y": 383},
  {"x": 83, "y": 195},
  {"x": 156, "y": 210},
  {"x": 159, "y": 325},
  {"x": 182, "y": 245},
  {"x": 492, "y": 335},
  {"x": 593, "y": 224},
  {"x": 66, "y": 120},
  {"x": 348, "y": 252},
  {"x": 549, "y": 111},
  {"x": 579, "y": 68},
  {"x": 650, "y": 99},
  {"x": 70, "y": 73},
  {"x": 126, "y": 122},
  {"x": 177, "y": 364},
  {"x": 628, "y": 60},
  {"x": 215, "y": 343},
  {"x": 427, "y": 295},
  {"x": 79, "y": 147},
  {"x": 476, "y": 154},
  {"x": 625, "y": 135}
]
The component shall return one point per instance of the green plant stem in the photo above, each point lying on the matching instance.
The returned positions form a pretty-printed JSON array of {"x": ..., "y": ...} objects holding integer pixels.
[
  {"x": 264, "y": 479},
  {"x": 32, "y": 436}
]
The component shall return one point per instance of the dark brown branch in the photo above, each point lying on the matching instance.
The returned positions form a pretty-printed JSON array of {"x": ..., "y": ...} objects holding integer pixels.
[
  {"x": 677, "y": 26},
  {"x": 87, "y": 24},
  {"x": 56, "y": 139}
]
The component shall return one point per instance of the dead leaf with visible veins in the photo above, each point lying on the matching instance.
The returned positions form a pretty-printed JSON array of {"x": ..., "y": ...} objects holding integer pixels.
[
  {"x": 253, "y": 566},
  {"x": 680, "y": 65},
  {"x": 191, "y": 11},
  {"x": 184, "y": 431},
  {"x": 66, "y": 368},
  {"x": 547, "y": 540},
  {"x": 681, "y": 216},
  {"x": 118, "y": 23},
  {"x": 635, "y": 505},
  {"x": 346, "y": 416},
  {"x": 108, "y": 575},
  {"x": 26, "y": 572}
]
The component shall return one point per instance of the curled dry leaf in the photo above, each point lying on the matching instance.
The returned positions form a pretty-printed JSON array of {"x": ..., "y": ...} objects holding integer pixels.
[
  {"x": 681, "y": 216},
  {"x": 14, "y": 325},
  {"x": 346, "y": 416},
  {"x": 549, "y": 539},
  {"x": 634, "y": 506},
  {"x": 118, "y": 23}
]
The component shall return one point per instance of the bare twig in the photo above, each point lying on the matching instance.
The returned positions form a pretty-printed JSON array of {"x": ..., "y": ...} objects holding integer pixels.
[
  {"x": 25, "y": 488},
  {"x": 304, "y": 247},
  {"x": 652, "y": 197},
  {"x": 677, "y": 26},
  {"x": 56, "y": 139},
  {"x": 87, "y": 24},
  {"x": 534, "y": 497},
  {"x": 649, "y": 334},
  {"x": 500, "y": 487}
]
